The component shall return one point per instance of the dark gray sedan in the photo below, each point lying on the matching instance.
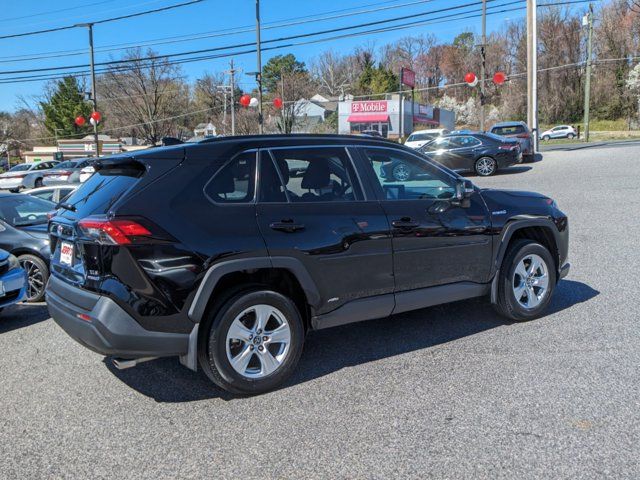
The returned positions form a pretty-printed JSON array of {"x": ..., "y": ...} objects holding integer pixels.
[{"x": 23, "y": 233}]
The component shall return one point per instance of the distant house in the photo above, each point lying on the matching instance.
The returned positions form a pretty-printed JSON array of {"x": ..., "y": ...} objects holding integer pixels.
[
  {"x": 311, "y": 113},
  {"x": 205, "y": 130}
]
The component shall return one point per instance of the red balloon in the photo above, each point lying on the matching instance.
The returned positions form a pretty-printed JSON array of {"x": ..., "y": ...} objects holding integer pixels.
[
  {"x": 97, "y": 116},
  {"x": 470, "y": 77},
  {"x": 80, "y": 121},
  {"x": 277, "y": 102},
  {"x": 245, "y": 100},
  {"x": 499, "y": 78}
]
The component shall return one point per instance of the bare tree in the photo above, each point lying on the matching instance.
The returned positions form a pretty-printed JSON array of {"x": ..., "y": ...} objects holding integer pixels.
[
  {"x": 148, "y": 97},
  {"x": 334, "y": 73}
]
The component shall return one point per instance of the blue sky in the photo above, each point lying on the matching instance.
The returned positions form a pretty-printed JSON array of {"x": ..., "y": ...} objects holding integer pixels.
[{"x": 206, "y": 17}]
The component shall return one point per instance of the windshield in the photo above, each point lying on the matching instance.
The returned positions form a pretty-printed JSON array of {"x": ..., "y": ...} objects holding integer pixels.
[
  {"x": 23, "y": 167},
  {"x": 24, "y": 210}
]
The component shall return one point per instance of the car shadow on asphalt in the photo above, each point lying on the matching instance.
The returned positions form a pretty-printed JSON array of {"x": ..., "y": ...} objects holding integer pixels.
[
  {"x": 22, "y": 315},
  {"x": 327, "y": 351}
]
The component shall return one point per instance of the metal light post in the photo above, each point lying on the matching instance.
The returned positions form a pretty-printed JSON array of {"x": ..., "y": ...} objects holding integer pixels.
[
  {"x": 93, "y": 83},
  {"x": 532, "y": 71},
  {"x": 259, "y": 72},
  {"x": 483, "y": 62}
]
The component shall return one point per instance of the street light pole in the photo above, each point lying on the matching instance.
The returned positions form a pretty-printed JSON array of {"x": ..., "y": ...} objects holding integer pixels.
[
  {"x": 483, "y": 61},
  {"x": 93, "y": 84},
  {"x": 588, "y": 22},
  {"x": 232, "y": 73},
  {"x": 532, "y": 71},
  {"x": 259, "y": 73}
]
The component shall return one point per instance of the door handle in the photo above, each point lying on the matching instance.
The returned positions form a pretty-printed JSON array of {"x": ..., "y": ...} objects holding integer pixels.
[
  {"x": 287, "y": 225},
  {"x": 405, "y": 223}
]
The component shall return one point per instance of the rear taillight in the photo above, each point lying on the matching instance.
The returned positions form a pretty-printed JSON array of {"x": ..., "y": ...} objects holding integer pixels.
[
  {"x": 508, "y": 147},
  {"x": 523, "y": 135},
  {"x": 114, "y": 232},
  {"x": 58, "y": 172}
]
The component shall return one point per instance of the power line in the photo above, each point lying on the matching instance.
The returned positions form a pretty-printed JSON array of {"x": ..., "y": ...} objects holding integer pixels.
[
  {"x": 106, "y": 20},
  {"x": 291, "y": 37},
  {"x": 456, "y": 16},
  {"x": 218, "y": 33},
  {"x": 56, "y": 11}
]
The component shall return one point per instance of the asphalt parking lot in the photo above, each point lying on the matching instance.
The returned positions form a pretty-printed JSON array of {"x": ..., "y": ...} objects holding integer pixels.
[{"x": 447, "y": 392}]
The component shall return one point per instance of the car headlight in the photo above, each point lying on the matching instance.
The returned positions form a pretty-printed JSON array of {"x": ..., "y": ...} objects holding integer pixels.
[{"x": 13, "y": 262}]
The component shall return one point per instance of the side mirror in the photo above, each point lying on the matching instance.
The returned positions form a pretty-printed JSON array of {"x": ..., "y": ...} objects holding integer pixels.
[{"x": 464, "y": 189}]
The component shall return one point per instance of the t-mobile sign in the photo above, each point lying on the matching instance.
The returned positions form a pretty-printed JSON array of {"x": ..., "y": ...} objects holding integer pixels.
[{"x": 369, "y": 107}]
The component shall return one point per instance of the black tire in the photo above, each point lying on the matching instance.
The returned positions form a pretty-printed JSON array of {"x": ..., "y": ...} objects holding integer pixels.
[
  {"x": 37, "y": 183},
  {"x": 479, "y": 166},
  {"x": 507, "y": 305},
  {"x": 528, "y": 158},
  {"x": 38, "y": 274},
  {"x": 212, "y": 351},
  {"x": 545, "y": 138}
]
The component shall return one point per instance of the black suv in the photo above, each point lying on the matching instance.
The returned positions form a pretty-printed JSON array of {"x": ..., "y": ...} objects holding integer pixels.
[{"x": 226, "y": 252}]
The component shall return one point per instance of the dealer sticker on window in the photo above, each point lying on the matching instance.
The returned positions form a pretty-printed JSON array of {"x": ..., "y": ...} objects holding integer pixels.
[{"x": 66, "y": 253}]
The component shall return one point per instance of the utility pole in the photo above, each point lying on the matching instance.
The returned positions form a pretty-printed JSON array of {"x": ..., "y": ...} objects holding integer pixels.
[
  {"x": 483, "y": 58},
  {"x": 532, "y": 71},
  {"x": 587, "y": 21},
  {"x": 259, "y": 73},
  {"x": 93, "y": 83},
  {"x": 233, "y": 102}
]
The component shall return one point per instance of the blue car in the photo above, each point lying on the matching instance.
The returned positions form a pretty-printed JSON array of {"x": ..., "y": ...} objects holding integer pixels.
[{"x": 13, "y": 280}]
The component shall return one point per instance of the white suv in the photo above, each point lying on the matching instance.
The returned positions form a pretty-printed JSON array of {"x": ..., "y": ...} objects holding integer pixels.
[{"x": 561, "y": 131}]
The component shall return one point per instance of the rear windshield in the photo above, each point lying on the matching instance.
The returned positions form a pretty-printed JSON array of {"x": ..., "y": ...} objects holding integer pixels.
[
  {"x": 21, "y": 168},
  {"x": 509, "y": 130},
  {"x": 24, "y": 210},
  {"x": 101, "y": 191},
  {"x": 65, "y": 165},
  {"x": 419, "y": 137}
]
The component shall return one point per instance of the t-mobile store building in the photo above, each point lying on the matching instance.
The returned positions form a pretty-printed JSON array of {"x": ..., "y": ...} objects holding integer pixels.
[{"x": 356, "y": 116}]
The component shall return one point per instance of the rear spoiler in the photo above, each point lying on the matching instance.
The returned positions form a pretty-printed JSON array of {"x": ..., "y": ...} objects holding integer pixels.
[{"x": 125, "y": 163}]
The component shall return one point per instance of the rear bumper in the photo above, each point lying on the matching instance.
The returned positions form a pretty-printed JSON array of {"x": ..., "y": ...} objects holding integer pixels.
[
  {"x": 10, "y": 184},
  {"x": 101, "y": 325},
  {"x": 49, "y": 182}
]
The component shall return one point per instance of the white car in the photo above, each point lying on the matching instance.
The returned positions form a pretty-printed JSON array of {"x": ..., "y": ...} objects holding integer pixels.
[
  {"x": 85, "y": 173},
  {"x": 53, "y": 194},
  {"x": 561, "y": 131},
  {"x": 25, "y": 175},
  {"x": 418, "y": 138}
]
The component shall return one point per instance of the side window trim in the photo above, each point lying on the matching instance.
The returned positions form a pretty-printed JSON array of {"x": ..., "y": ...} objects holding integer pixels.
[
  {"x": 280, "y": 177},
  {"x": 224, "y": 165}
]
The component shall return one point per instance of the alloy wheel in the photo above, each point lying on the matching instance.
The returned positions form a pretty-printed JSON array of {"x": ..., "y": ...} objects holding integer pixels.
[
  {"x": 401, "y": 172},
  {"x": 36, "y": 281},
  {"x": 486, "y": 166},
  {"x": 258, "y": 341},
  {"x": 530, "y": 281}
]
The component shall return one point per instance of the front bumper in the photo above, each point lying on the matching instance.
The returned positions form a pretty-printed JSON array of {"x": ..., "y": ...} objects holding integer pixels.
[
  {"x": 101, "y": 325},
  {"x": 14, "y": 287}
]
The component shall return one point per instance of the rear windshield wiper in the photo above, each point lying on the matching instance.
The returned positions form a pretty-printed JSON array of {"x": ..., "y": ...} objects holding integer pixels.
[{"x": 67, "y": 206}]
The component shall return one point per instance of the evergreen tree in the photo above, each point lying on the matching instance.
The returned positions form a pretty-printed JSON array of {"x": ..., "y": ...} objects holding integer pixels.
[{"x": 66, "y": 102}]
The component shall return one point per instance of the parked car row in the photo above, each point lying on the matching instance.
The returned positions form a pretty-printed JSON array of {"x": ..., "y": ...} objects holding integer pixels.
[
  {"x": 47, "y": 173},
  {"x": 226, "y": 252}
]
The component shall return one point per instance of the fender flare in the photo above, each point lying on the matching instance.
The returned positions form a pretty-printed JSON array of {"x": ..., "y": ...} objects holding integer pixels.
[
  {"x": 507, "y": 232},
  {"x": 216, "y": 272}
]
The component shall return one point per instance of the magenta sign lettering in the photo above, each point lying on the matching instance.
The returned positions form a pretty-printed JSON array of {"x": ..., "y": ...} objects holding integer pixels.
[{"x": 369, "y": 107}]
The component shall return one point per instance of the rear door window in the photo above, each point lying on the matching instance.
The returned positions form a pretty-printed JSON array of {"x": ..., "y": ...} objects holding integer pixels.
[{"x": 314, "y": 175}]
